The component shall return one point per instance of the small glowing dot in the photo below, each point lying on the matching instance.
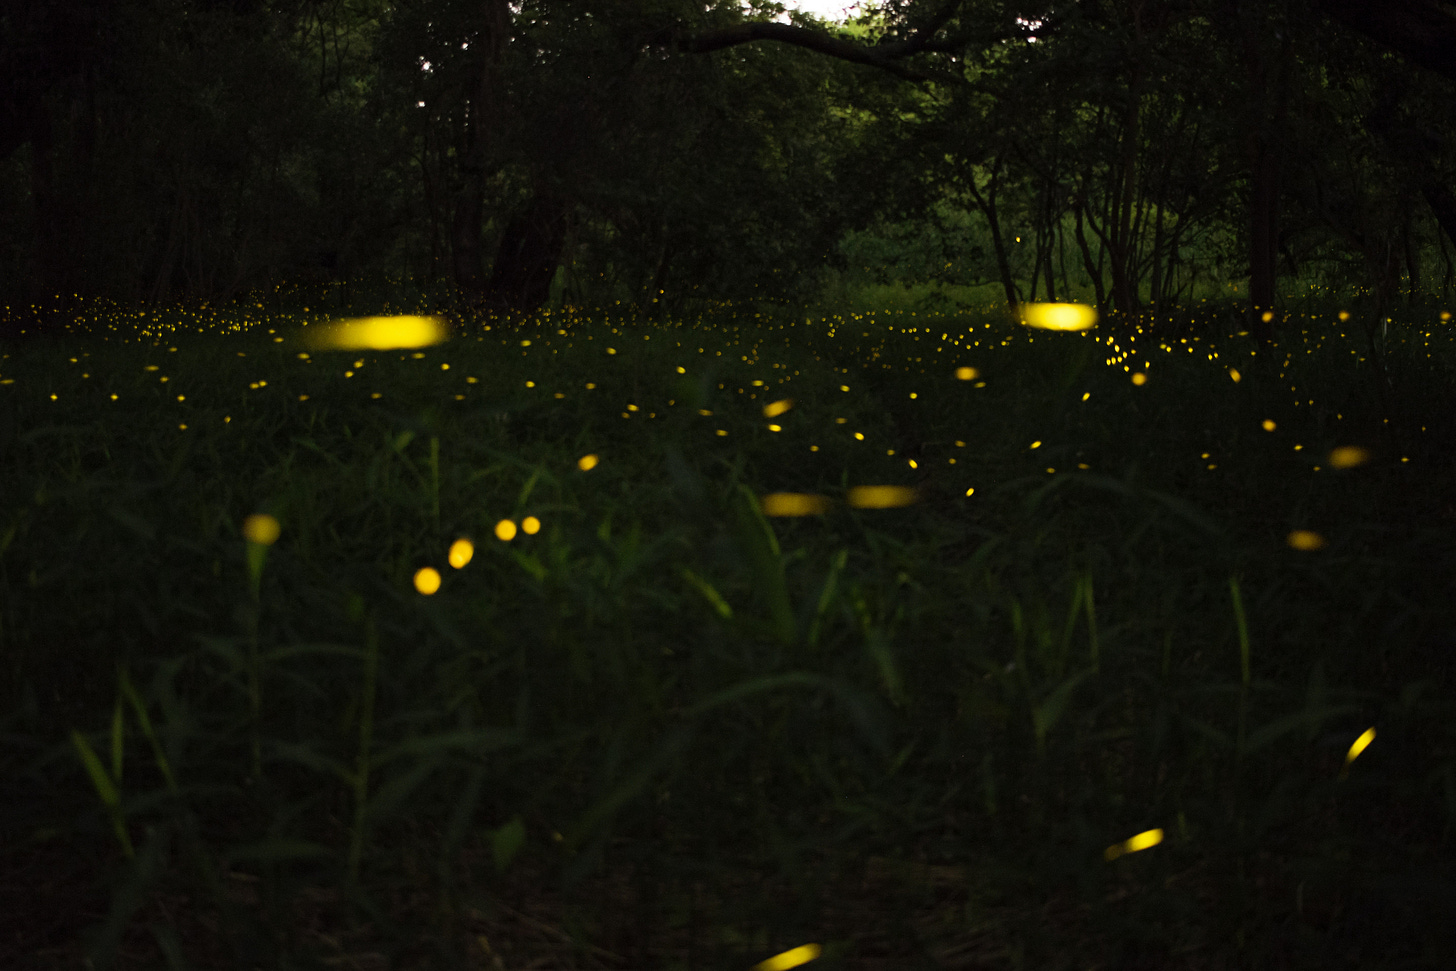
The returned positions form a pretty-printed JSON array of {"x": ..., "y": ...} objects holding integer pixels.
[
  {"x": 460, "y": 552},
  {"x": 1141, "y": 379},
  {"x": 261, "y": 529},
  {"x": 844, "y": 387},
  {"x": 1269, "y": 425},
  {"x": 505, "y": 530},
  {"x": 859, "y": 435},
  {"x": 1303, "y": 539},
  {"x": 531, "y": 525},
  {"x": 1234, "y": 374},
  {"x": 1086, "y": 396},
  {"x": 777, "y": 408},
  {"x": 611, "y": 350},
  {"x": 586, "y": 462},
  {"x": 427, "y": 580},
  {"x": 682, "y": 370},
  {"x": 971, "y": 491},
  {"x": 1349, "y": 456},
  {"x": 1036, "y": 444}
]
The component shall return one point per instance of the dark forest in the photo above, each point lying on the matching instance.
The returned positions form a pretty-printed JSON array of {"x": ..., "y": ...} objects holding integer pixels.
[{"x": 516, "y": 484}]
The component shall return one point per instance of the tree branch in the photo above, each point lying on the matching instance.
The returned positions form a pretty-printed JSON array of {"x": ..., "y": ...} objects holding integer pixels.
[
  {"x": 885, "y": 56},
  {"x": 1424, "y": 31}
]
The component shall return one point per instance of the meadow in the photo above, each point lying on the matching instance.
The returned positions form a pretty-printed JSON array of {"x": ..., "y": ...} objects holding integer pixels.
[{"x": 761, "y": 638}]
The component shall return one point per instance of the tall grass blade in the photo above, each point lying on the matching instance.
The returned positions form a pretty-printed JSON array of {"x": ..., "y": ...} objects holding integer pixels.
[
  {"x": 105, "y": 788},
  {"x": 827, "y": 593},
  {"x": 761, "y": 546}
]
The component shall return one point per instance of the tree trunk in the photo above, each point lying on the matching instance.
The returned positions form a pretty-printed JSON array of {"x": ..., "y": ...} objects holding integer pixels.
[
  {"x": 482, "y": 114},
  {"x": 1263, "y": 240},
  {"x": 1268, "y": 75},
  {"x": 1120, "y": 242},
  {"x": 1443, "y": 205},
  {"x": 1094, "y": 270},
  {"x": 528, "y": 256},
  {"x": 465, "y": 257},
  {"x": 987, "y": 204}
]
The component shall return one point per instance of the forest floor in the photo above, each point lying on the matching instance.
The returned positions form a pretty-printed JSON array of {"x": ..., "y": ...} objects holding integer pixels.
[{"x": 866, "y": 640}]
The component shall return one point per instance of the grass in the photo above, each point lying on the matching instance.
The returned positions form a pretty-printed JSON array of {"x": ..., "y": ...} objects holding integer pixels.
[{"x": 1099, "y": 697}]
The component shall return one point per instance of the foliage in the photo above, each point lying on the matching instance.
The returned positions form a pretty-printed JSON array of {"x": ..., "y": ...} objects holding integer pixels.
[
  {"x": 924, "y": 732},
  {"x": 1108, "y": 152}
]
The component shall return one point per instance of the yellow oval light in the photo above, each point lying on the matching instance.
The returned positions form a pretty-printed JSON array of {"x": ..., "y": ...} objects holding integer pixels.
[
  {"x": 881, "y": 497},
  {"x": 793, "y": 504},
  {"x": 460, "y": 552},
  {"x": 261, "y": 529},
  {"x": 427, "y": 580},
  {"x": 777, "y": 408},
  {"x": 1304, "y": 539},
  {"x": 1349, "y": 456},
  {"x": 1058, "y": 316},
  {"x": 379, "y": 333}
]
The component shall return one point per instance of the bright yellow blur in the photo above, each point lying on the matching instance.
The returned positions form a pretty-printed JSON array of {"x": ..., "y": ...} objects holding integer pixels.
[
  {"x": 1141, "y": 841},
  {"x": 1303, "y": 539},
  {"x": 460, "y": 552},
  {"x": 1058, "y": 316},
  {"x": 427, "y": 580},
  {"x": 378, "y": 333},
  {"x": 777, "y": 408},
  {"x": 881, "y": 497},
  {"x": 1361, "y": 743},
  {"x": 793, "y": 504},
  {"x": 791, "y": 958},
  {"x": 1349, "y": 456},
  {"x": 261, "y": 529}
]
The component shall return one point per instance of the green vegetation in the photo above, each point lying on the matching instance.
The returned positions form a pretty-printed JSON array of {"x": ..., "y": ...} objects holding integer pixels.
[{"x": 665, "y": 730}]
